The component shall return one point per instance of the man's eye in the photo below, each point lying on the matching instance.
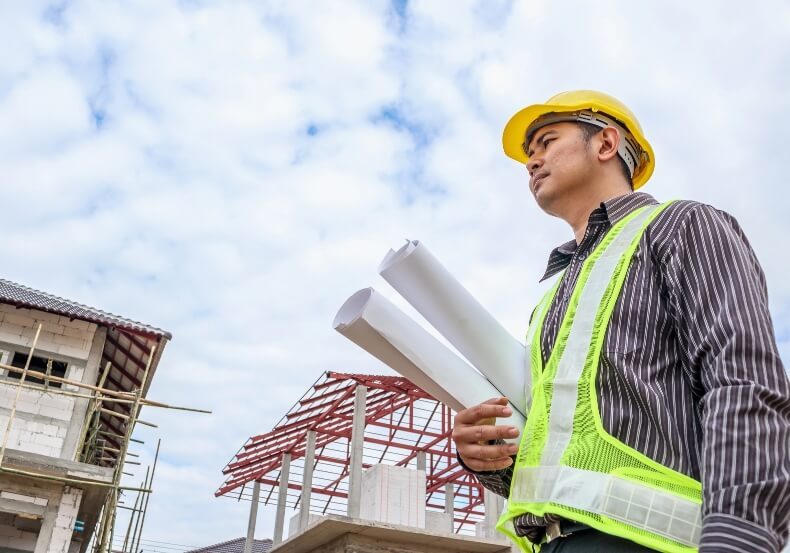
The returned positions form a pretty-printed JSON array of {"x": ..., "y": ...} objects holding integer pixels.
[{"x": 546, "y": 142}]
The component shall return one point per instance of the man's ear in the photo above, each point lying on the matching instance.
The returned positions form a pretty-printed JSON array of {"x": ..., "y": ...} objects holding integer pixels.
[{"x": 608, "y": 142}]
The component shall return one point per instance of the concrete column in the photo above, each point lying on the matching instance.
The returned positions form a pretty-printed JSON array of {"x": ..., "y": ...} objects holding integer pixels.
[
  {"x": 256, "y": 496},
  {"x": 449, "y": 505},
  {"x": 57, "y": 526},
  {"x": 357, "y": 449},
  {"x": 90, "y": 376},
  {"x": 282, "y": 496},
  {"x": 307, "y": 481},
  {"x": 421, "y": 460}
]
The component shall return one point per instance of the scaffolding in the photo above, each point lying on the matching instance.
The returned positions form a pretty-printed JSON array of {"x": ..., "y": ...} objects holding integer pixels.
[
  {"x": 107, "y": 431},
  {"x": 403, "y": 426}
]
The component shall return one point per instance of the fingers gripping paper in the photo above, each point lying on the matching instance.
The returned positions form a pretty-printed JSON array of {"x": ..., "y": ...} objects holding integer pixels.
[
  {"x": 376, "y": 325},
  {"x": 419, "y": 277}
]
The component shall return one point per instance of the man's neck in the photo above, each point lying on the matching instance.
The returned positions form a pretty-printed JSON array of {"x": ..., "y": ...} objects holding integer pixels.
[{"x": 579, "y": 216}]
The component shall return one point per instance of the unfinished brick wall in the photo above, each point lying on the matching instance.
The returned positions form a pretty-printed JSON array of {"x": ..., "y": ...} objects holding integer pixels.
[
  {"x": 42, "y": 418},
  {"x": 17, "y": 539}
]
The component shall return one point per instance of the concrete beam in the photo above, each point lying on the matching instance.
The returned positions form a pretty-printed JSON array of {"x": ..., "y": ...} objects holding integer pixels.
[
  {"x": 24, "y": 508},
  {"x": 357, "y": 450},
  {"x": 282, "y": 496},
  {"x": 54, "y": 466}
]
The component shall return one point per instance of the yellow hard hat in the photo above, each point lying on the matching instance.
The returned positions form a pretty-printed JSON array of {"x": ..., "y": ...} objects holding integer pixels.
[{"x": 579, "y": 104}]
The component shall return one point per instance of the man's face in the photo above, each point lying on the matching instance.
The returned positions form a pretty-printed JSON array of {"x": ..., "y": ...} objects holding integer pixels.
[{"x": 559, "y": 165}]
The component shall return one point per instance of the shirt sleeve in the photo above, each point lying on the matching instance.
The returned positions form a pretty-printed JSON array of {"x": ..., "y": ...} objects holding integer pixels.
[
  {"x": 497, "y": 481},
  {"x": 719, "y": 301}
]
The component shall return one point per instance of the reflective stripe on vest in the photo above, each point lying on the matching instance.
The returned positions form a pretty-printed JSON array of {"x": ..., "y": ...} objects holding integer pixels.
[
  {"x": 574, "y": 357},
  {"x": 648, "y": 508},
  {"x": 550, "y": 485}
]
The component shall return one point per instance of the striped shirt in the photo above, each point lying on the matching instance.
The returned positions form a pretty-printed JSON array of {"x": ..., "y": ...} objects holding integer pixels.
[{"x": 690, "y": 374}]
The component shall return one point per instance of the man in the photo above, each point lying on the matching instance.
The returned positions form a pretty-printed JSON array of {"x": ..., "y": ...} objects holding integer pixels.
[{"x": 659, "y": 409}]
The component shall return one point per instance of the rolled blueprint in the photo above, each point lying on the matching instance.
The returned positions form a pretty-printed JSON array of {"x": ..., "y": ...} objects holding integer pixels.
[
  {"x": 376, "y": 325},
  {"x": 450, "y": 308}
]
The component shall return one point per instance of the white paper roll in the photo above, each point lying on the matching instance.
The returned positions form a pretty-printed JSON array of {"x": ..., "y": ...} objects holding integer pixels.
[
  {"x": 450, "y": 308},
  {"x": 376, "y": 325}
]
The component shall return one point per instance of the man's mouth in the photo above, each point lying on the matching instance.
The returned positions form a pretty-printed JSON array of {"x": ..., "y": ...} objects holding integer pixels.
[{"x": 537, "y": 178}]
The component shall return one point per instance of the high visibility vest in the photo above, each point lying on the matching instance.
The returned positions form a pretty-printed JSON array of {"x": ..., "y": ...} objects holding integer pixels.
[{"x": 567, "y": 464}]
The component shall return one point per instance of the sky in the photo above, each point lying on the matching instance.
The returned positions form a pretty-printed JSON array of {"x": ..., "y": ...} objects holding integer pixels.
[{"x": 232, "y": 171}]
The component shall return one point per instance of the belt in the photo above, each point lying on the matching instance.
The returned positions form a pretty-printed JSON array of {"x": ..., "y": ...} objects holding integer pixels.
[{"x": 563, "y": 528}]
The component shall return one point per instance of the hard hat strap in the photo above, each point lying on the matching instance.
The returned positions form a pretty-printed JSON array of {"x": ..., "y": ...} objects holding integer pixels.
[{"x": 628, "y": 150}]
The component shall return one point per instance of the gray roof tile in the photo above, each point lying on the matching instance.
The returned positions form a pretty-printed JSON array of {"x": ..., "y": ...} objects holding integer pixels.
[
  {"x": 23, "y": 296},
  {"x": 235, "y": 546}
]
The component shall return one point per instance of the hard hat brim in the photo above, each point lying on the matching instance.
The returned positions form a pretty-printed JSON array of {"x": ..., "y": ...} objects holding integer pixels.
[{"x": 516, "y": 128}]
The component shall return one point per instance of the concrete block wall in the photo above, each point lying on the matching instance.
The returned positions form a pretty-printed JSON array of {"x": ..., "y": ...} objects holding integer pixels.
[
  {"x": 43, "y": 419},
  {"x": 439, "y": 522},
  {"x": 293, "y": 524},
  {"x": 13, "y": 538},
  {"x": 40, "y": 423},
  {"x": 59, "y": 335},
  {"x": 393, "y": 495}
]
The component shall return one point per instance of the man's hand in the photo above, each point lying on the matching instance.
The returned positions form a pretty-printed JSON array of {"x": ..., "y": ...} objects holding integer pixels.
[{"x": 475, "y": 427}]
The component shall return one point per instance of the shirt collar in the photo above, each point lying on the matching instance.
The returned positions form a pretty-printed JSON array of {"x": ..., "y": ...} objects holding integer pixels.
[{"x": 609, "y": 212}]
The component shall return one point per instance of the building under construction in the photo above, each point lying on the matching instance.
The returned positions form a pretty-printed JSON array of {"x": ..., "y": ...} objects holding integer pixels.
[
  {"x": 72, "y": 382},
  {"x": 366, "y": 464}
]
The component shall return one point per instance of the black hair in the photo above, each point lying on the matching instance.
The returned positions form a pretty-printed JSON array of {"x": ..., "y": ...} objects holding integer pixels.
[{"x": 588, "y": 131}]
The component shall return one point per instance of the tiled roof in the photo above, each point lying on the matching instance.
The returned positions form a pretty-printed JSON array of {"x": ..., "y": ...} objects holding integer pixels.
[
  {"x": 235, "y": 546},
  {"x": 22, "y": 296}
]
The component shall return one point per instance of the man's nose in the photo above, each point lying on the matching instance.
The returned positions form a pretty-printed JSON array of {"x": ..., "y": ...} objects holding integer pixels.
[{"x": 534, "y": 164}]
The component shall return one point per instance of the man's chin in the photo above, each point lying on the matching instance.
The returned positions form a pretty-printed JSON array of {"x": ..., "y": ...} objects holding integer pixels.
[
  {"x": 547, "y": 203},
  {"x": 544, "y": 199}
]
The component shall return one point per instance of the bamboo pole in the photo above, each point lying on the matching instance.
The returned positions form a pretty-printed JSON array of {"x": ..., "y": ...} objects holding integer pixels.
[
  {"x": 113, "y": 496},
  {"x": 68, "y": 393},
  {"x": 150, "y": 483},
  {"x": 114, "y": 414},
  {"x": 131, "y": 517},
  {"x": 67, "y": 480},
  {"x": 117, "y": 396},
  {"x": 114, "y": 393},
  {"x": 153, "y": 403},
  {"x": 114, "y": 435},
  {"x": 91, "y": 412},
  {"x": 18, "y": 393}
]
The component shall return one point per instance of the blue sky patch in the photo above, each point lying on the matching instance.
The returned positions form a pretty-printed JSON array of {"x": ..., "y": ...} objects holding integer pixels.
[
  {"x": 394, "y": 116},
  {"x": 54, "y": 13}
]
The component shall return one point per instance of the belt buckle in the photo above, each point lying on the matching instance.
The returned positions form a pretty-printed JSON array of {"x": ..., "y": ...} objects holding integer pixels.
[{"x": 553, "y": 531}]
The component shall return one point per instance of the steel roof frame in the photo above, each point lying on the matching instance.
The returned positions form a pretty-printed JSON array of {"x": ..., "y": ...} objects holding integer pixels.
[{"x": 401, "y": 420}]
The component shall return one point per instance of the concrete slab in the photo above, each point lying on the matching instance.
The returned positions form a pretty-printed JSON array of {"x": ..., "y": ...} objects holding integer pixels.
[
  {"x": 334, "y": 534},
  {"x": 53, "y": 466}
]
